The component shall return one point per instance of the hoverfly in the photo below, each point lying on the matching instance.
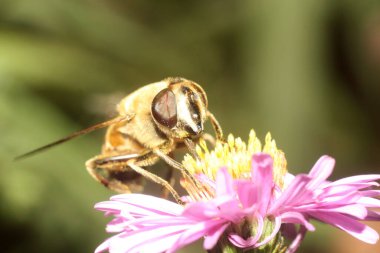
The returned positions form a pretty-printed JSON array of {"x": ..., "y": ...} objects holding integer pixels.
[{"x": 152, "y": 122}]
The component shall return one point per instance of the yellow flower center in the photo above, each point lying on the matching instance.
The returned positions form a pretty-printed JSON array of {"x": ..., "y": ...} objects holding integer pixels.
[{"x": 236, "y": 155}]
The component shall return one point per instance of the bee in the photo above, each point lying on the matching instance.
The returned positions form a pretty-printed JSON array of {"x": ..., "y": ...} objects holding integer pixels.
[{"x": 152, "y": 122}]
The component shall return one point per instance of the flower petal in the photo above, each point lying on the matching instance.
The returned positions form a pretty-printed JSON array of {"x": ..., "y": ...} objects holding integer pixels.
[
  {"x": 224, "y": 183},
  {"x": 369, "y": 202},
  {"x": 357, "y": 179},
  {"x": 105, "y": 245},
  {"x": 240, "y": 242},
  {"x": 321, "y": 171},
  {"x": 349, "y": 225},
  {"x": 292, "y": 195},
  {"x": 200, "y": 210},
  {"x": 373, "y": 216},
  {"x": 297, "y": 240},
  {"x": 149, "y": 203},
  {"x": 354, "y": 210},
  {"x": 150, "y": 224},
  {"x": 213, "y": 236},
  {"x": 262, "y": 177},
  {"x": 195, "y": 232},
  {"x": 370, "y": 193},
  {"x": 245, "y": 190},
  {"x": 296, "y": 218},
  {"x": 148, "y": 239},
  {"x": 277, "y": 226}
]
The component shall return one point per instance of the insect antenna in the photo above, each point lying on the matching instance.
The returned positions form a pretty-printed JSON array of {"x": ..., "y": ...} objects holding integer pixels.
[{"x": 72, "y": 136}]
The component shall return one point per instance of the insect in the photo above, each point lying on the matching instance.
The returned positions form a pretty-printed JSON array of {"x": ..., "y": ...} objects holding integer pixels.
[{"x": 152, "y": 122}]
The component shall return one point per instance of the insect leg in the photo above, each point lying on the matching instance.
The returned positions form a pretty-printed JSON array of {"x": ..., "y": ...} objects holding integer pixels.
[
  {"x": 170, "y": 161},
  {"x": 191, "y": 146},
  {"x": 173, "y": 163},
  {"x": 114, "y": 176},
  {"x": 169, "y": 177},
  {"x": 209, "y": 138},
  {"x": 156, "y": 179},
  {"x": 215, "y": 124},
  {"x": 121, "y": 173}
]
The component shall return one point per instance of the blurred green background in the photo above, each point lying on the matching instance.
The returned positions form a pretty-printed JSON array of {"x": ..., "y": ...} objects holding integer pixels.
[{"x": 308, "y": 71}]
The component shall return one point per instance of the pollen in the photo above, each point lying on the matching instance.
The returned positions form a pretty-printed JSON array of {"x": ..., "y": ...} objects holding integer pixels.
[{"x": 236, "y": 156}]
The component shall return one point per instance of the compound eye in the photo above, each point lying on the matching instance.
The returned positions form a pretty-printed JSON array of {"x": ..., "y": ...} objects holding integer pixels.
[{"x": 164, "y": 108}]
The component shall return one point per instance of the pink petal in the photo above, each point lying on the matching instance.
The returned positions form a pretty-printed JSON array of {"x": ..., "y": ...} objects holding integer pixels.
[
  {"x": 297, "y": 241},
  {"x": 139, "y": 209},
  {"x": 321, "y": 171},
  {"x": 373, "y": 216},
  {"x": 357, "y": 211},
  {"x": 156, "y": 246},
  {"x": 357, "y": 179},
  {"x": 339, "y": 190},
  {"x": 369, "y": 202},
  {"x": 224, "y": 183},
  {"x": 200, "y": 210},
  {"x": 357, "y": 186},
  {"x": 195, "y": 232},
  {"x": 288, "y": 179},
  {"x": 225, "y": 207},
  {"x": 349, "y": 198},
  {"x": 239, "y": 242},
  {"x": 105, "y": 245},
  {"x": 117, "y": 225},
  {"x": 231, "y": 210},
  {"x": 295, "y": 193},
  {"x": 110, "y": 207},
  {"x": 159, "y": 221},
  {"x": 212, "y": 237},
  {"x": 370, "y": 193},
  {"x": 149, "y": 203},
  {"x": 349, "y": 225},
  {"x": 151, "y": 239},
  {"x": 262, "y": 177},
  {"x": 245, "y": 190},
  {"x": 296, "y": 218},
  {"x": 277, "y": 226}
]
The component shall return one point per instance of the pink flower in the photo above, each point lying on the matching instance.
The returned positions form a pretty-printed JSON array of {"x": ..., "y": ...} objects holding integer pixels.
[
  {"x": 342, "y": 203},
  {"x": 249, "y": 212}
]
